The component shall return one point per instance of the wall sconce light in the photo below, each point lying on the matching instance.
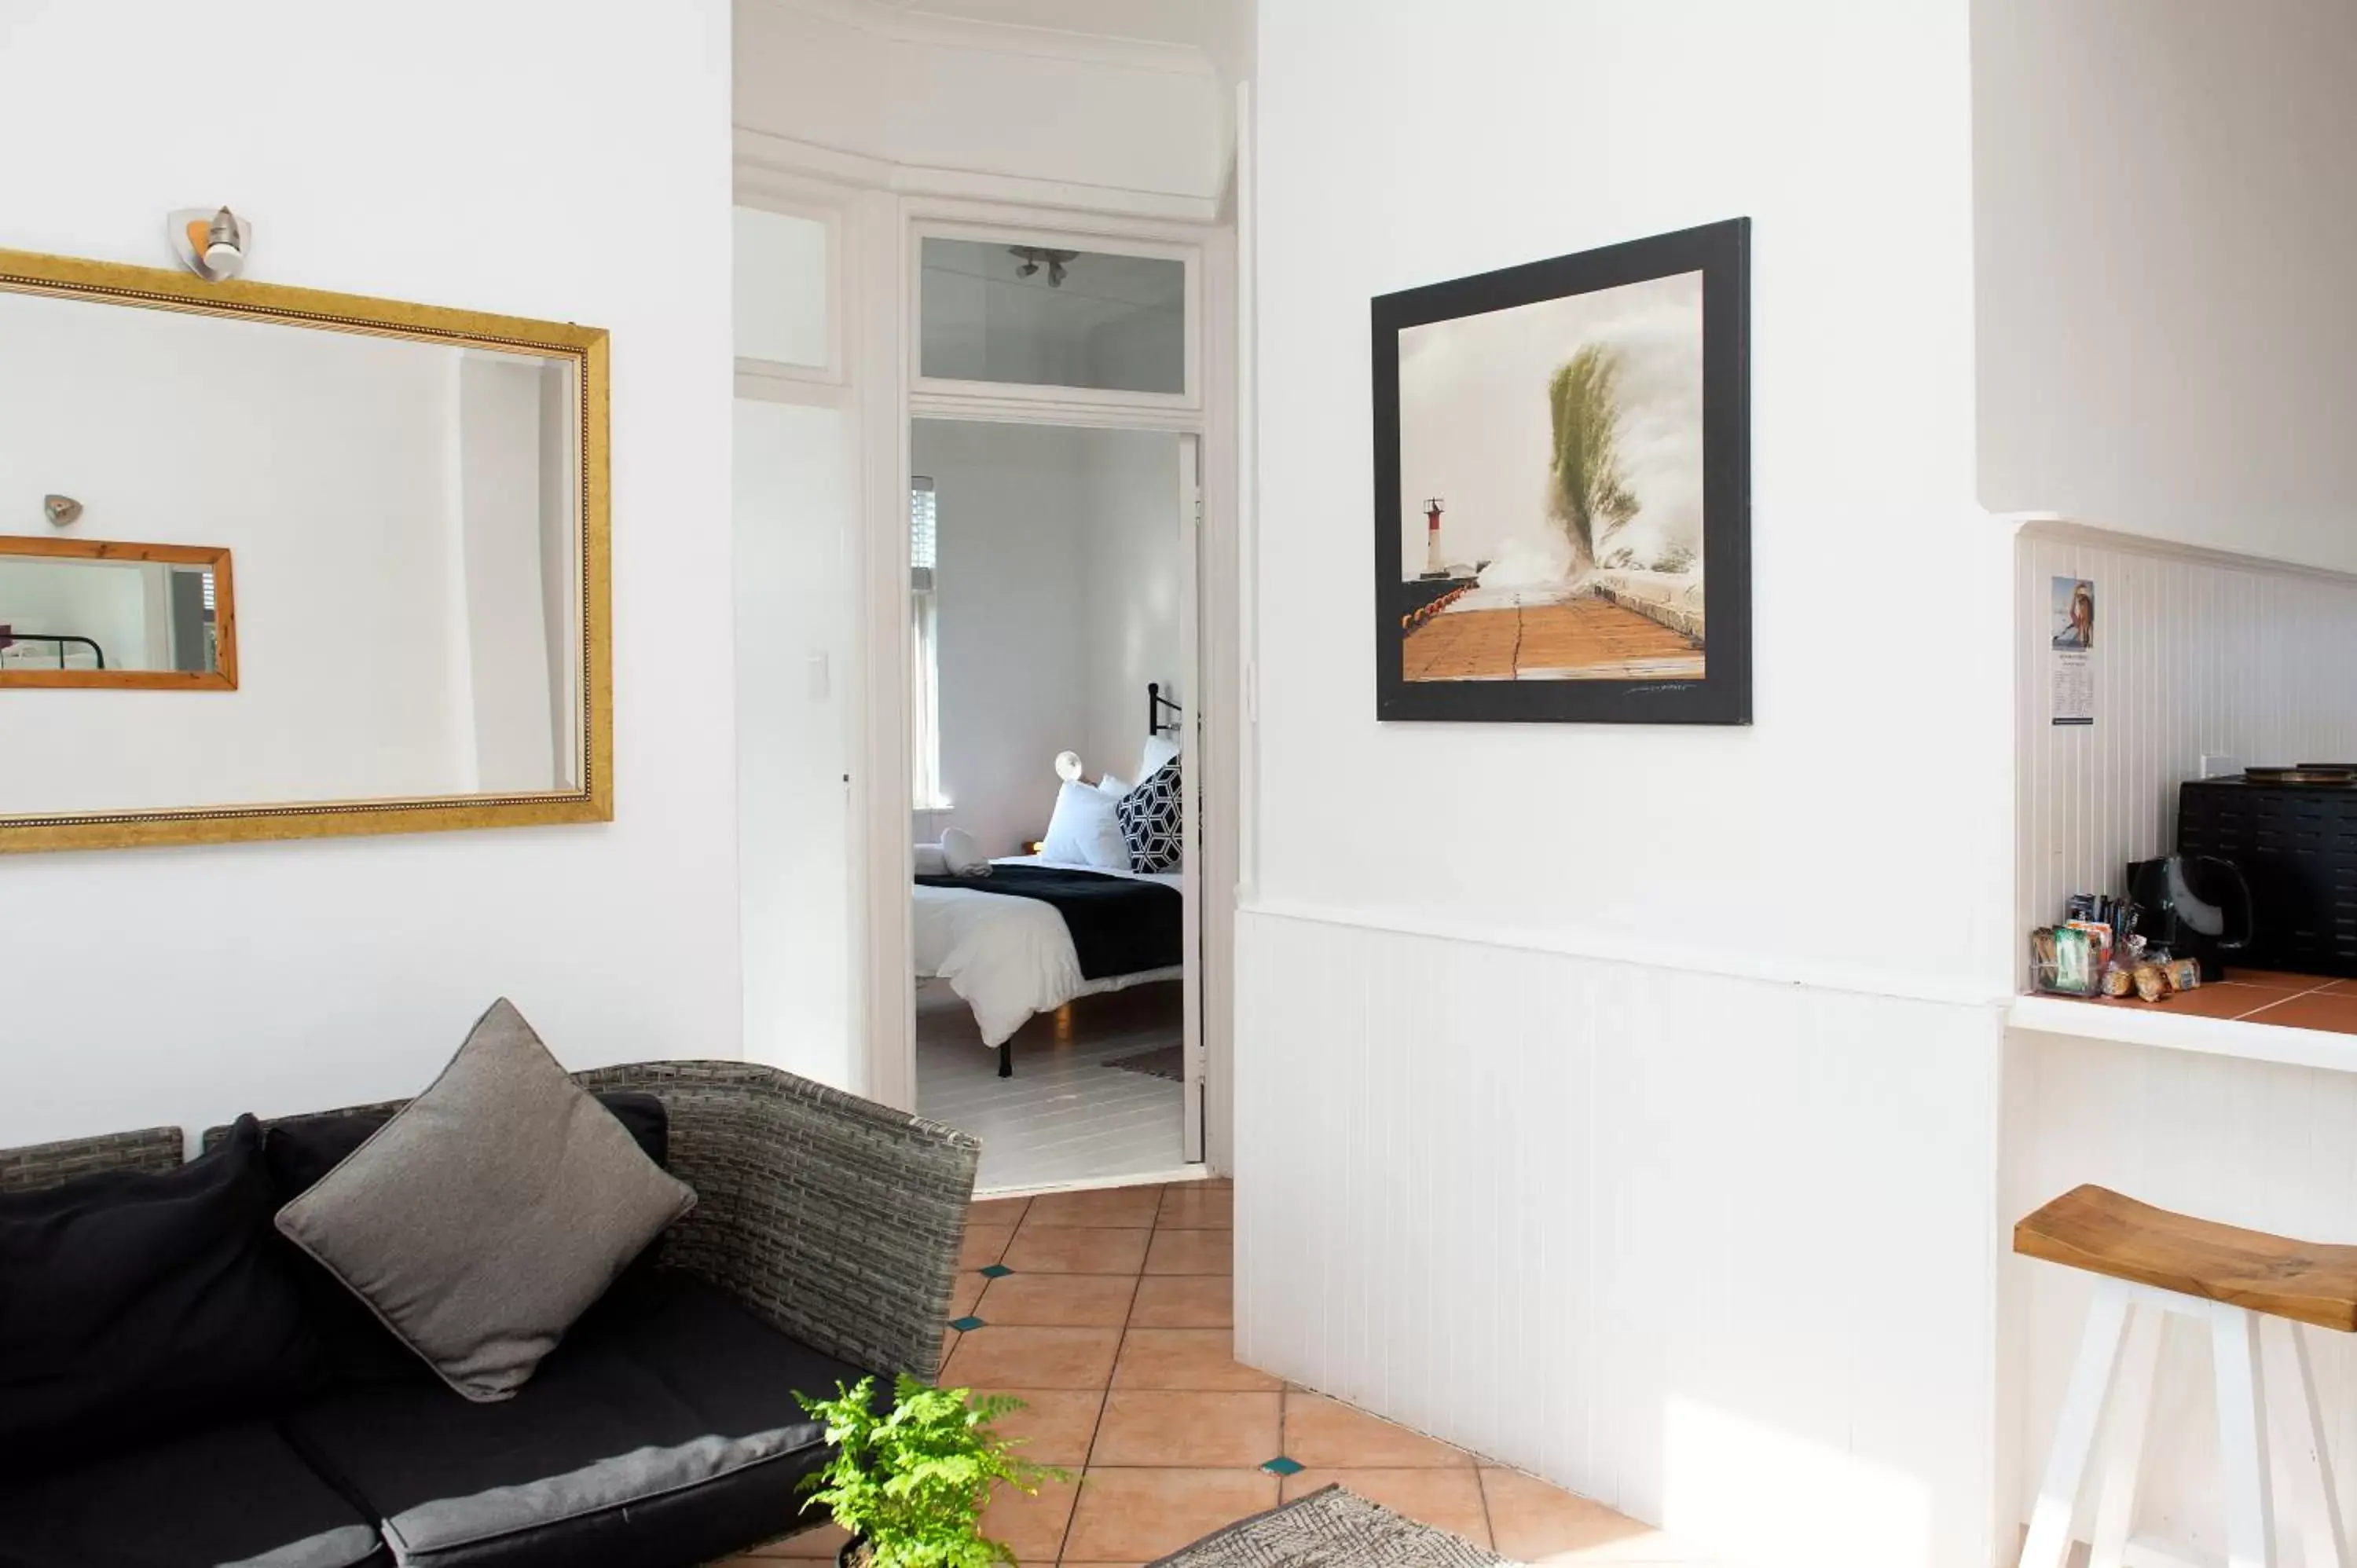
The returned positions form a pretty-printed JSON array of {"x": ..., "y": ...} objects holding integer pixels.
[
  {"x": 213, "y": 246},
  {"x": 1068, "y": 766},
  {"x": 63, "y": 511}
]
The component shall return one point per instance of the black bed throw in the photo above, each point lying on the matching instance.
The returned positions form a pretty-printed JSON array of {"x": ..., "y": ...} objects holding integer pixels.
[{"x": 1119, "y": 926}]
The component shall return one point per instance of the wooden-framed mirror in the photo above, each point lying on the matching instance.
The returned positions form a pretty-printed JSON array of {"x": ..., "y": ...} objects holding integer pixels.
[
  {"x": 308, "y": 564},
  {"x": 95, "y": 615}
]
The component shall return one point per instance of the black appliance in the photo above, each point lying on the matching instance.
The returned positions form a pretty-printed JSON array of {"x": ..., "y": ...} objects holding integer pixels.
[
  {"x": 2296, "y": 847},
  {"x": 2196, "y": 906}
]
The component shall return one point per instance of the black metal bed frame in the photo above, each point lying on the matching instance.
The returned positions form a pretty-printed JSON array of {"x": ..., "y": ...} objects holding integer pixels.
[
  {"x": 96, "y": 651},
  {"x": 1155, "y": 702}
]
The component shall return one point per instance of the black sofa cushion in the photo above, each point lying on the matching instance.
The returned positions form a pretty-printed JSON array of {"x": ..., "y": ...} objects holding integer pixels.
[
  {"x": 235, "y": 1494},
  {"x": 134, "y": 1303},
  {"x": 356, "y": 1347},
  {"x": 663, "y": 1431}
]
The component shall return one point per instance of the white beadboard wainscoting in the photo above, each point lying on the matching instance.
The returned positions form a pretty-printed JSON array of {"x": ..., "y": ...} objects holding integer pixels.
[
  {"x": 2268, "y": 1145},
  {"x": 2196, "y": 652},
  {"x": 1716, "y": 1251}
]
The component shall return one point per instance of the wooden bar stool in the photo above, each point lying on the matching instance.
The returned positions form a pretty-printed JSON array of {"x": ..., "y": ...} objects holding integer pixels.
[{"x": 2249, "y": 1289}]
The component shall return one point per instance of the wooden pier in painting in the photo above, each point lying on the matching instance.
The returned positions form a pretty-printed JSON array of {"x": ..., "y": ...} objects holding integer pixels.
[{"x": 1586, "y": 637}]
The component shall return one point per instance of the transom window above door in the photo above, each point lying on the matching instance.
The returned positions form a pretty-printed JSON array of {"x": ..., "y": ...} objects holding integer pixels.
[{"x": 1029, "y": 311}]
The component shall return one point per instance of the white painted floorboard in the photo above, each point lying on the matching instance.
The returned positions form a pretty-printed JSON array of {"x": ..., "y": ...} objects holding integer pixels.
[{"x": 1064, "y": 1117}]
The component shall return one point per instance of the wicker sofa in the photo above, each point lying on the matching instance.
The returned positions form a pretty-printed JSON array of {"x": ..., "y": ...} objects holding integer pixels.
[{"x": 662, "y": 1433}]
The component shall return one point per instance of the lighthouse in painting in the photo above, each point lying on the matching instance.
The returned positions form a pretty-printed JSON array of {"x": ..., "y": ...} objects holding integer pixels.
[{"x": 1434, "y": 564}]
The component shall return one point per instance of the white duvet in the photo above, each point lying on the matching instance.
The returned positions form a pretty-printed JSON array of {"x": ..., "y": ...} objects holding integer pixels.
[{"x": 1009, "y": 957}]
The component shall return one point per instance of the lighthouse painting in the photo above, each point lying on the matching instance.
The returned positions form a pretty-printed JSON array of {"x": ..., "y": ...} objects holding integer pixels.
[{"x": 1562, "y": 461}]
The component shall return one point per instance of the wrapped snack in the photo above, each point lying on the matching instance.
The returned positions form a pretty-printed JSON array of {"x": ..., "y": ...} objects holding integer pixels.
[
  {"x": 2184, "y": 973},
  {"x": 2118, "y": 980},
  {"x": 2150, "y": 982}
]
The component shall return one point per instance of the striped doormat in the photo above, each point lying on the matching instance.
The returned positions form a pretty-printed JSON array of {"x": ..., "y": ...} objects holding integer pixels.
[
  {"x": 1330, "y": 1528},
  {"x": 1162, "y": 1061}
]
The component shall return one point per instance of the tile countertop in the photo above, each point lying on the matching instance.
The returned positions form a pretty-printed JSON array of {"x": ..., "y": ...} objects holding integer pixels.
[{"x": 2263, "y": 1015}]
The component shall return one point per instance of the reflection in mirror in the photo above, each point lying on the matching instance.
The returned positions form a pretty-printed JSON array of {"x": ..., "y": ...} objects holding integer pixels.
[
  {"x": 87, "y": 615},
  {"x": 991, "y": 311},
  {"x": 406, "y": 521}
]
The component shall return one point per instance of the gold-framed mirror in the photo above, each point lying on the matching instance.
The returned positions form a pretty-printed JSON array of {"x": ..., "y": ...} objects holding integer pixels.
[{"x": 276, "y": 562}]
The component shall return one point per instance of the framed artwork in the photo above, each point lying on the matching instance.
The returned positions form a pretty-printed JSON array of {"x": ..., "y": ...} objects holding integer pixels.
[{"x": 1562, "y": 489}]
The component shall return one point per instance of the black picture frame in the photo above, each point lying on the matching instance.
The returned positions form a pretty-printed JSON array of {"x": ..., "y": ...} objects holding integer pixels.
[{"x": 1722, "y": 694}]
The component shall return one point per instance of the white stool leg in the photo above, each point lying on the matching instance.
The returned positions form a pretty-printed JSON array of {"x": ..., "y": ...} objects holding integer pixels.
[
  {"x": 2299, "y": 1428},
  {"x": 2243, "y": 1437},
  {"x": 2074, "y": 1432},
  {"x": 2124, "y": 1423}
]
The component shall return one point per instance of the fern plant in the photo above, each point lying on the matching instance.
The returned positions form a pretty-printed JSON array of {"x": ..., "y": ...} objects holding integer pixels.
[{"x": 911, "y": 1483}]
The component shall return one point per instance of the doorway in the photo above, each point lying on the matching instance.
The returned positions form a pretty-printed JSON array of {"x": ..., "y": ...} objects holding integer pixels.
[{"x": 1056, "y": 954}]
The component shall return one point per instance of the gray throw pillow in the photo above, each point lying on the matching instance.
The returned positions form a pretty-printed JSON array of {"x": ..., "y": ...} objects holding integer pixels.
[{"x": 488, "y": 1214}]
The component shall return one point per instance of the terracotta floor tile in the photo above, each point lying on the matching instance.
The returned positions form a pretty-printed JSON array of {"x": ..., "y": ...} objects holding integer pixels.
[
  {"x": 1033, "y": 1525},
  {"x": 1139, "y": 1515},
  {"x": 812, "y": 1545},
  {"x": 1055, "y": 1426},
  {"x": 1120, "y": 1206},
  {"x": 1185, "y": 1359},
  {"x": 1191, "y": 1252},
  {"x": 965, "y": 1290},
  {"x": 1073, "y": 1249},
  {"x": 997, "y": 1210},
  {"x": 2282, "y": 979},
  {"x": 1196, "y": 1205},
  {"x": 1445, "y": 1500},
  {"x": 1072, "y": 1301},
  {"x": 2227, "y": 999},
  {"x": 1533, "y": 1522},
  {"x": 2342, "y": 988},
  {"x": 2318, "y": 1011},
  {"x": 1184, "y": 1300},
  {"x": 1032, "y": 1359},
  {"x": 983, "y": 1244},
  {"x": 1325, "y": 1434},
  {"x": 1216, "y": 1430}
]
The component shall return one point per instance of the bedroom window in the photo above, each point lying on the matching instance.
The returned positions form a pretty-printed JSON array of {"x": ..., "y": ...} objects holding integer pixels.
[{"x": 924, "y": 667}]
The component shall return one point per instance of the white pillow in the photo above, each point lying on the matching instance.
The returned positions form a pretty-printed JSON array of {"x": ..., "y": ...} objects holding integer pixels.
[
  {"x": 1160, "y": 749},
  {"x": 1114, "y": 785},
  {"x": 1085, "y": 832},
  {"x": 931, "y": 861},
  {"x": 963, "y": 855}
]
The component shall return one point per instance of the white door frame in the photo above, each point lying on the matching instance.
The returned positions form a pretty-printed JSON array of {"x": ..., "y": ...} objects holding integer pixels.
[{"x": 881, "y": 245}]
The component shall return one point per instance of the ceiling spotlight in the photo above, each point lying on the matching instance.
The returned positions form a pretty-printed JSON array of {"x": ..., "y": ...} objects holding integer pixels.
[
  {"x": 213, "y": 246},
  {"x": 1031, "y": 256}
]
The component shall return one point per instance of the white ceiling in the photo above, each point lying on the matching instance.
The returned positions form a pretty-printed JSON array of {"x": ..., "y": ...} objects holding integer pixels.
[{"x": 1207, "y": 25}]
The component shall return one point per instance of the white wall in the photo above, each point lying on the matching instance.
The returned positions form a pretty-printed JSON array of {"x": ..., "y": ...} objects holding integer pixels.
[
  {"x": 278, "y": 977},
  {"x": 1490, "y": 1012},
  {"x": 1130, "y": 592},
  {"x": 1034, "y": 104},
  {"x": 2166, "y": 231},
  {"x": 1015, "y": 653}
]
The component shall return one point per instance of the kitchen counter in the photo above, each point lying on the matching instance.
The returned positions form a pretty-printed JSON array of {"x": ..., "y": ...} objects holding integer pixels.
[{"x": 2261, "y": 1014}]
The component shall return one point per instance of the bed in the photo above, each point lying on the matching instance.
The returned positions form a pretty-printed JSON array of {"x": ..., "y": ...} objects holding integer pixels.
[
  {"x": 1041, "y": 930},
  {"x": 1011, "y": 955}
]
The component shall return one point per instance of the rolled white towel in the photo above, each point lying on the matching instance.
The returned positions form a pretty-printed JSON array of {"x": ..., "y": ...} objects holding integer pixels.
[
  {"x": 931, "y": 861},
  {"x": 963, "y": 854}
]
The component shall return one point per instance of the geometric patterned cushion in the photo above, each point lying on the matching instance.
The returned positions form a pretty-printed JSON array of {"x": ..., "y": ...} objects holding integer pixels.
[{"x": 1152, "y": 822}]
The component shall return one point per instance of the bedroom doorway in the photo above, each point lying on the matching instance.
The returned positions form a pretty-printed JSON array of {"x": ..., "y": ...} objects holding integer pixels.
[{"x": 1055, "y": 914}]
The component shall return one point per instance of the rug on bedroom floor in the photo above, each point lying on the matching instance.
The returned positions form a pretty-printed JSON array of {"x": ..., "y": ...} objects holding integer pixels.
[
  {"x": 1162, "y": 1061},
  {"x": 1330, "y": 1528}
]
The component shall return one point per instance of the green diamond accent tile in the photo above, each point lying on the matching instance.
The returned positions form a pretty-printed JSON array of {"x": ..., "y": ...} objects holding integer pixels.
[
  {"x": 996, "y": 1271},
  {"x": 1281, "y": 1466},
  {"x": 966, "y": 1325}
]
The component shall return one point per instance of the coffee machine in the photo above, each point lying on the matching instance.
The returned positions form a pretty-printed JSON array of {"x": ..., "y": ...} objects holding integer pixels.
[{"x": 2196, "y": 906}]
